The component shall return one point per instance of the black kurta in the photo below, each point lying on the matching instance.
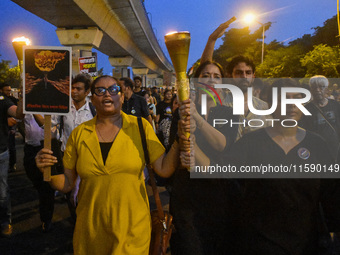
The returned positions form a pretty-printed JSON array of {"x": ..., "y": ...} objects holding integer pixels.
[{"x": 281, "y": 216}]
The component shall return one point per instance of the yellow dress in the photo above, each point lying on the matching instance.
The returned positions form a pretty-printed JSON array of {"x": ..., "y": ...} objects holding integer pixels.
[{"x": 113, "y": 214}]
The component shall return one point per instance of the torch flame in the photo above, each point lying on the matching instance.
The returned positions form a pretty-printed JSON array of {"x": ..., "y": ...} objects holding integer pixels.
[
  {"x": 175, "y": 32},
  {"x": 172, "y": 32},
  {"x": 22, "y": 39}
]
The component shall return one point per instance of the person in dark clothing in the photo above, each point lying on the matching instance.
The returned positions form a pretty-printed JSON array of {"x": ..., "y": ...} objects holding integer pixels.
[
  {"x": 138, "y": 89},
  {"x": 133, "y": 104},
  {"x": 151, "y": 106},
  {"x": 163, "y": 108},
  {"x": 163, "y": 132},
  {"x": 325, "y": 118},
  {"x": 34, "y": 129},
  {"x": 7, "y": 108},
  {"x": 12, "y": 124},
  {"x": 282, "y": 215},
  {"x": 156, "y": 95},
  {"x": 197, "y": 205}
]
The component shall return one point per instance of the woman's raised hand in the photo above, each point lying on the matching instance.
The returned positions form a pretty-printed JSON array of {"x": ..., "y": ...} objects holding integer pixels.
[{"x": 221, "y": 29}]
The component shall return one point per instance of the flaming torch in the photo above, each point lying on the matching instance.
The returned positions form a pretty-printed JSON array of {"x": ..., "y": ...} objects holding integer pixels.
[
  {"x": 18, "y": 43},
  {"x": 178, "y": 44}
]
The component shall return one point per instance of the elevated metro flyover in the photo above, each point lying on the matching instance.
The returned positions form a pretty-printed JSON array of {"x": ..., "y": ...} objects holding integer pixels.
[{"x": 117, "y": 28}]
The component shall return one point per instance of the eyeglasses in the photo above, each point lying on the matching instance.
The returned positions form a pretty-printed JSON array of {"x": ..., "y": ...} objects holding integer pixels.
[{"x": 101, "y": 91}]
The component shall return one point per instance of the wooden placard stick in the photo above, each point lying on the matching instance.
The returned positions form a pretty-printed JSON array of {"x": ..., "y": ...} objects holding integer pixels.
[{"x": 47, "y": 144}]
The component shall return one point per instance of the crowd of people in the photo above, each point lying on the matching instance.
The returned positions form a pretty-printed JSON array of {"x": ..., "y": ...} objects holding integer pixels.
[{"x": 102, "y": 165}]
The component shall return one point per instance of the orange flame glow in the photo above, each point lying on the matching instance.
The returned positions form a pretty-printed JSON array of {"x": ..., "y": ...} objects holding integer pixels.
[
  {"x": 22, "y": 39},
  {"x": 46, "y": 60}
]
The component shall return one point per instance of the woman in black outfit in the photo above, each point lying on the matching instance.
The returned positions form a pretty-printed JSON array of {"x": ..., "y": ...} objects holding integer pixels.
[
  {"x": 199, "y": 206},
  {"x": 283, "y": 215}
]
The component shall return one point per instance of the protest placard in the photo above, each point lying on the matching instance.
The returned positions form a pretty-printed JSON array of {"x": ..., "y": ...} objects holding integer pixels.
[
  {"x": 88, "y": 65},
  {"x": 47, "y": 83}
]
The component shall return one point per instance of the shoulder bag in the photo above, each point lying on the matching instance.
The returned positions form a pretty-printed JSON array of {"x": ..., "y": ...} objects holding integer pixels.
[{"x": 161, "y": 221}]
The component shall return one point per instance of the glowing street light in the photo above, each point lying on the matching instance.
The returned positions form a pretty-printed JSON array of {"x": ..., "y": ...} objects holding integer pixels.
[{"x": 251, "y": 18}]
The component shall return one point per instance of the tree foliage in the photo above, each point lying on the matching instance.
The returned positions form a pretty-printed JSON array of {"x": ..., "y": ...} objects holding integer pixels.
[
  {"x": 9, "y": 75},
  {"x": 309, "y": 55},
  {"x": 282, "y": 62},
  {"x": 322, "y": 60},
  {"x": 327, "y": 34},
  {"x": 237, "y": 41},
  {"x": 305, "y": 43}
]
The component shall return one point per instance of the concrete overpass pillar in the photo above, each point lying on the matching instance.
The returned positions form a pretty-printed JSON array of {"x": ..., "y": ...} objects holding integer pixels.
[
  {"x": 142, "y": 72},
  {"x": 152, "y": 80},
  {"x": 82, "y": 42},
  {"x": 121, "y": 65},
  {"x": 168, "y": 79}
]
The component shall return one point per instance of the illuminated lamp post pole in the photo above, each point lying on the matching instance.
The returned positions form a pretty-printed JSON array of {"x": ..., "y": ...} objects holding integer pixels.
[{"x": 250, "y": 18}]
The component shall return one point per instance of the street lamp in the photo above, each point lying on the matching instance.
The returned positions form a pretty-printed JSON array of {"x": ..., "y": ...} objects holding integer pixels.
[{"x": 250, "y": 18}]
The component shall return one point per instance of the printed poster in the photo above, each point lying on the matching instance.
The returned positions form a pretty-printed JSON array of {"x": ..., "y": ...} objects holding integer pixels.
[
  {"x": 88, "y": 65},
  {"x": 47, "y": 81}
]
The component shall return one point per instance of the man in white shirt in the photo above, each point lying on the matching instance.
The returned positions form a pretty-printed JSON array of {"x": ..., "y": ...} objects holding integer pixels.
[{"x": 81, "y": 111}]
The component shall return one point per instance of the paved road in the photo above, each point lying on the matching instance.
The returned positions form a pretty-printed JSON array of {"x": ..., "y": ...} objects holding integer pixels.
[{"x": 27, "y": 237}]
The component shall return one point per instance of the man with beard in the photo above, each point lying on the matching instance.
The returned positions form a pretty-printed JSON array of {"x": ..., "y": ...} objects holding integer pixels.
[
  {"x": 242, "y": 71},
  {"x": 138, "y": 86}
]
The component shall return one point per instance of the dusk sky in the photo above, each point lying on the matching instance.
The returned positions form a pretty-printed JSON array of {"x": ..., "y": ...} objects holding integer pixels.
[{"x": 292, "y": 18}]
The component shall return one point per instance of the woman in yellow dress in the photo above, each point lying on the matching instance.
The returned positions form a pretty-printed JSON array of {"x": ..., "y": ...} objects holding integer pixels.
[{"x": 106, "y": 152}]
